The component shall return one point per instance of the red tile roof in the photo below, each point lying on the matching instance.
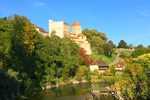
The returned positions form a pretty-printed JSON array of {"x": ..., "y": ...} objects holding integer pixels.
[
  {"x": 76, "y": 23},
  {"x": 40, "y": 29},
  {"x": 121, "y": 64},
  {"x": 72, "y": 37},
  {"x": 80, "y": 35},
  {"x": 100, "y": 63}
]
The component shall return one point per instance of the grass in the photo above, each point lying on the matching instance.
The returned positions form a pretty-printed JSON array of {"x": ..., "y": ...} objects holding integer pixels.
[
  {"x": 107, "y": 59},
  {"x": 106, "y": 78}
]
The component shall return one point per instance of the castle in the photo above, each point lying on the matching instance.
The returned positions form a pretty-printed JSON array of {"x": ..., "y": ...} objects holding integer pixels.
[{"x": 62, "y": 29}]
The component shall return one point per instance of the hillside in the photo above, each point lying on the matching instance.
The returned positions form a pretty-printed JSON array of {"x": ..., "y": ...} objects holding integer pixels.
[{"x": 101, "y": 47}]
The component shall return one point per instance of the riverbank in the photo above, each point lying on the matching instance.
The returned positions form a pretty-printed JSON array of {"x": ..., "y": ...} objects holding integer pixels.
[
  {"x": 102, "y": 79},
  {"x": 59, "y": 83},
  {"x": 80, "y": 91}
]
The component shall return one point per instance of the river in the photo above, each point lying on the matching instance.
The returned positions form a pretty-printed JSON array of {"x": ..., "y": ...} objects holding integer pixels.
[{"x": 74, "y": 92}]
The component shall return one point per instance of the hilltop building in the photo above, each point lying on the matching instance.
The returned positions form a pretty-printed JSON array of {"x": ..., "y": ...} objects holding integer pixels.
[
  {"x": 40, "y": 30},
  {"x": 59, "y": 28},
  {"x": 62, "y": 29}
]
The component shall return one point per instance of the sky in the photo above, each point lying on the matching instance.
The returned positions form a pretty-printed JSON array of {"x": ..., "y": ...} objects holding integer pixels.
[{"x": 118, "y": 19}]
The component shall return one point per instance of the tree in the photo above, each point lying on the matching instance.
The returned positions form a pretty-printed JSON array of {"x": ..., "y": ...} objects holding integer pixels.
[
  {"x": 139, "y": 50},
  {"x": 9, "y": 87},
  {"x": 99, "y": 43},
  {"x": 82, "y": 71},
  {"x": 22, "y": 53},
  {"x": 57, "y": 58},
  {"x": 112, "y": 70},
  {"x": 109, "y": 48},
  {"x": 122, "y": 44},
  {"x": 5, "y": 41},
  {"x": 135, "y": 81}
]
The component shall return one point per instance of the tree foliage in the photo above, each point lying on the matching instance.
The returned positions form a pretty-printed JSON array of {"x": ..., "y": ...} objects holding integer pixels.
[
  {"x": 122, "y": 44},
  {"x": 59, "y": 58},
  {"x": 139, "y": 50},
  {"x": 135, "y": 83},
  {"x": 99, "y": 43},
  {"x": 109, "y": 48},
  {"x": 29, "y": 60}
]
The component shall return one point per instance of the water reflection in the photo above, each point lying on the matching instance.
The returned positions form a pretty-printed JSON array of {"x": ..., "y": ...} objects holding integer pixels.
[{"x": 70, "y": 92}]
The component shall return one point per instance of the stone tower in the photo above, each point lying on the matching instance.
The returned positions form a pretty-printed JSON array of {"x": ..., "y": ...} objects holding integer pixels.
[
  {"x": 60, "y": 28},
  {"x": 76, "y": 28}
]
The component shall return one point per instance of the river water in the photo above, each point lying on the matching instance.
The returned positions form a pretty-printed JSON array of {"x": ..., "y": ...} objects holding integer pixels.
[{"x": 74, "y": 92}]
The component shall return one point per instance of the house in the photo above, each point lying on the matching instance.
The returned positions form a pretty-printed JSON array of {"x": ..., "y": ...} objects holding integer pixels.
[
  {"x": 99, "y": 65},
  {"x": 120, "y": 65},
  {"x": 40, "y": 30}
]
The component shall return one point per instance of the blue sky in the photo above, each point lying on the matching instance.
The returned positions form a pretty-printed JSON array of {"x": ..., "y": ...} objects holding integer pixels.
[{"x": 118, "y": 19}]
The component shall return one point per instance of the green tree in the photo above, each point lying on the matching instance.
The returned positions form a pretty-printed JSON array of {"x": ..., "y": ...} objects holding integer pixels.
[
  {"x": 84, "y": 72},
  {"x": 22, "y": 53},
  {"x": 9, "y": 87},
  {"x": 57, "y": 58},
  {"x": 5, "y": 41},
  {"x": 135, "y": 81},
  {"x": 122, "y": 44},
  {"x": 112, "y": 70},
  {"x": 139, "y": 50},
  {"x": 109, "y": 48}
]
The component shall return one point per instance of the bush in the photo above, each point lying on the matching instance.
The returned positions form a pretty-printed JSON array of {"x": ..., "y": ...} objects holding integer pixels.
[{"x": 95, "y": 73}]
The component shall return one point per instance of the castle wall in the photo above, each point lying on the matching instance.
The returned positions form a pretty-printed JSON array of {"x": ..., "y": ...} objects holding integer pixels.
[
  {"x": 86, "y": 46},
  {"x": 76, "y": 29},
  {"x": 66, "y": 30},
  {"x": 61, "y": 29}
]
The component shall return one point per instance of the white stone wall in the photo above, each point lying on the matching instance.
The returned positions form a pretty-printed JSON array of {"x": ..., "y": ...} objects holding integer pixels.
[
  {"x": 86, "y": 46},
  {"x": 76, "y": 29},
  {"x": 62, "y": 30},
  {"x": 58, "y": 27},
  {"x": 93, "y": 67}
]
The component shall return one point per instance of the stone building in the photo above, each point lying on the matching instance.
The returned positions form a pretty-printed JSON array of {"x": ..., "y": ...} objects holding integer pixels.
[
  {"x": 61, "y": 29},
  {"x": 40, "y": 30}
]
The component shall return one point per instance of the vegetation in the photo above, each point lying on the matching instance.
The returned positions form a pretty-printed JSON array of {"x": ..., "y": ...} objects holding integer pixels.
[
  {"x": 125, "y": 54},
  {"x": 135, "y": 79},
  {"x": 122, "y": 44},
  {"x": 29, "y": 61},
  {"x": 99, "y": 43},
  {"x": 107, "y": 59},
  {"x": 139, "y": 50}
]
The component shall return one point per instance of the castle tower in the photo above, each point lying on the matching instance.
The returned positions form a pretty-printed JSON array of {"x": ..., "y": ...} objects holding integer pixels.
[
  {"x": 60, "y": 28},
  {"x": 76, "y": 28}
]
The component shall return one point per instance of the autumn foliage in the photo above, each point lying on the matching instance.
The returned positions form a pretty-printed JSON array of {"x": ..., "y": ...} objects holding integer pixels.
[{"x": 84, "y": 56}]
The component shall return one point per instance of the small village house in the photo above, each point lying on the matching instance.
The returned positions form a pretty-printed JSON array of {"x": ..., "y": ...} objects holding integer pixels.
[{"x": 99, "y": 65}]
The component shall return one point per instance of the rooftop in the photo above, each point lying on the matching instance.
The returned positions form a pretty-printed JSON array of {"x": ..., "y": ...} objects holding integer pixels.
[
  {"x": 76, "y": 23},
  {"x": 100, "y": 63}
]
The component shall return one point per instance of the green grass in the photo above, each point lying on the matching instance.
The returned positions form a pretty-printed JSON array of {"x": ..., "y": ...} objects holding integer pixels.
[
  {"x": 107, "y": 59},
  {"x": 105, "y": 78}
]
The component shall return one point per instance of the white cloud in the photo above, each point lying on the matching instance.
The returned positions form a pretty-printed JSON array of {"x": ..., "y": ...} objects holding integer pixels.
[{"x": 39, "y": 4}]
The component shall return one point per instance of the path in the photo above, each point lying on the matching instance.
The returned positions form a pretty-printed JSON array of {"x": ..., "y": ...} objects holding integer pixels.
[{"x": 117, "y": 59}]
